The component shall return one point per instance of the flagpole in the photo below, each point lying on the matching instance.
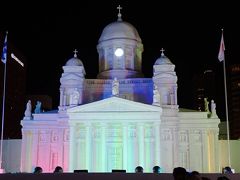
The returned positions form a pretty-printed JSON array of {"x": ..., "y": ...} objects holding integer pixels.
[
  {"x": 4, "y": 60},
  {"x": 221, "y": 57},
  {"x": 226, "y": 106},
  {"x": 3, "y": 110}
]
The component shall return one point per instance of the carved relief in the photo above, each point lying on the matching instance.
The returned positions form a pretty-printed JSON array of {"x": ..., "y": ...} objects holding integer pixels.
[
  {"x": 54, "y": 137},
  {"x": 74, "y": 97},
  {"x": 197, "y": 136},
  {"x": 166, "y": 135},
  {"x": 132, "y": 133},
  {"x": 42, "y": 136},
  {"x": 101, "y": 82},
  {"x": 149, "y": 132},
  {"x": 114, "y": 133},
  {"x": 80, "y": 133},
  {"x": 66, "y": 135},
  {"x": 183, "y": 136},
  {"x": 97, "y": 133}
]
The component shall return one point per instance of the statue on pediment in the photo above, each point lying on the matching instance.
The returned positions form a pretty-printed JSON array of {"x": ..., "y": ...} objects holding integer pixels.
[{"x": 115, "y": 87}]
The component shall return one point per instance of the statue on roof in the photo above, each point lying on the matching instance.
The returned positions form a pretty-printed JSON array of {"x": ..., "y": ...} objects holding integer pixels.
[
  {"x": 38, "y": 107},
  {"x": 115, "y": 87},
  {"x": 206, "y": 103},
  {"x": 213, "y": 109},
  {"x": 28, "y": 111}
]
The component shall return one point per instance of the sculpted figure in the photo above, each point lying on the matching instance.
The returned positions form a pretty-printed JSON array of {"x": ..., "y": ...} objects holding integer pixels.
[
  {"x": 28, "y": 111},
  {"x": 115, "y": 87},
  {"x": 38, "y": 107},
  {"x": 75, "y": 97},
  {"x": 156, "y": 96},
  {"x": 206, "y": 108}
]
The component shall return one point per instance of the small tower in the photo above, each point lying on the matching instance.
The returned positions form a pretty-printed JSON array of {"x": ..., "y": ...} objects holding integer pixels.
[
  {"x": 72, "y": 82},
  {"x": 164, "y": 77}
]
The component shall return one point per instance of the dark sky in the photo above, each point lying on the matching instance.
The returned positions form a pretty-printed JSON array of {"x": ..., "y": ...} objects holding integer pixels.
[{"x": 189, "y": 32}]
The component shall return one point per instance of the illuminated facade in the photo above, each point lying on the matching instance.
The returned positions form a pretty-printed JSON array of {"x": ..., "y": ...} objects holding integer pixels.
[{"x": 95, "y": 130}]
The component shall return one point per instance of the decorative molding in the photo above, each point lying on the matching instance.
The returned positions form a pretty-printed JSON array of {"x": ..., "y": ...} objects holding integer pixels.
[
  {"x": 66, "y": 135},
  {"x": 54, "y": 136},
  {"x": 149, "y": 132},
  {"x": 166, "y": 135}
]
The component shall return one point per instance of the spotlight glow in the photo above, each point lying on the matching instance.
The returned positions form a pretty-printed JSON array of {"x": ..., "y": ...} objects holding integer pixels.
[{"x": 119, "y": 52}]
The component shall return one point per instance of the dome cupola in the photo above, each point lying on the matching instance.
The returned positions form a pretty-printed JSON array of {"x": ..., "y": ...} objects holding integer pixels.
[
  {"x": 74, "y": 61},
  {"x": 120, "y": 50},
  {"x": 163, "y": 60}
]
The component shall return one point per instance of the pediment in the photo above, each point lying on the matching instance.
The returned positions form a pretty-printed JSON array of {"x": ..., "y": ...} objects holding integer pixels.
[{"x": 115, "y": 104}]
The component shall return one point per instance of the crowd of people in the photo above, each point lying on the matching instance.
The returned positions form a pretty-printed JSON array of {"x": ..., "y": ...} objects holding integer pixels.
[
  {"x": 179, "y": 173},
  {"x": 38, "y": 170}
]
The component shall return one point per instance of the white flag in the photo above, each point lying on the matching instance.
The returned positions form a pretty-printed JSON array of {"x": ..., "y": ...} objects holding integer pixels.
[
  {"x": 221, "y": 55},
  {"x": 4, "y": 51}
]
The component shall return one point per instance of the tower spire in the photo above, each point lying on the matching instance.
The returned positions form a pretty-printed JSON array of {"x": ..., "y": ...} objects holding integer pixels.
[
  {"x": 119, "y": 13},
  {"x": 75, "y": 53},
  {"x": 162, "y": 50}
]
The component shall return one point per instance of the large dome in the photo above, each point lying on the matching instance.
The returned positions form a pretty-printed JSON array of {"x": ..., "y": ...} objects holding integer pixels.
[{"x": 119, "y": 30}]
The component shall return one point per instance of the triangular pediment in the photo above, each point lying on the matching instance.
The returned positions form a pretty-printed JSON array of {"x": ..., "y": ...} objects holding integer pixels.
[{"x": 115, "y": 104}]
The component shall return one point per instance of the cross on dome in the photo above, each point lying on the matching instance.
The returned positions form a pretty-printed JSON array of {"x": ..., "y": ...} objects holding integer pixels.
[
  {"x": 162, "y": 50},
  {"x": 75, "y": 53},
  {"x": 119, "y": 13}
]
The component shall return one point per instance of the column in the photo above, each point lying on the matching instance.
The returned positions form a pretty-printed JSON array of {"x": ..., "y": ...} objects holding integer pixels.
[
  {"x": 157, "y": 144},
  {"x": 193, "y": 147},
  {"x": 125, "y": 147},
  {"x": 72, "y": 148},
  {"x": 216, "y": 152},
  {"x": 25, "y": 163},
  {"x": 88, "y": 146},
  {"x": 141, "y": 145},
  {"x": 60, "y": 146},
  {"x": 175, "y": 146},
  {"x": 205, "y": 157},
  {"x": 61, "y": 96},
  {"x": 175, "y": 94},
  {"x": 80, "y": 96},
  {"x": 172, "y": 99},
  {"x": 64, "y": 100},
  {"x": 211, "y": 143},
  {"x": 35, "y": 147},
  {"x": 103, "y": 142}
]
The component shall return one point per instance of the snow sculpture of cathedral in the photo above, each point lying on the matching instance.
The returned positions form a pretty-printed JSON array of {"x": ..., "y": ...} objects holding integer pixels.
[{"x": 141, "y": 126}]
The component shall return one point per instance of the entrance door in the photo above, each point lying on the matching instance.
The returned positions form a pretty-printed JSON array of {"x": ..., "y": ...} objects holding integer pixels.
[{"x": 114, "y": 157}]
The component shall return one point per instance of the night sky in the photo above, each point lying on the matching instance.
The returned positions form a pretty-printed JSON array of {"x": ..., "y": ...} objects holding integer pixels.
[{"x": 190, "y": 33}]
